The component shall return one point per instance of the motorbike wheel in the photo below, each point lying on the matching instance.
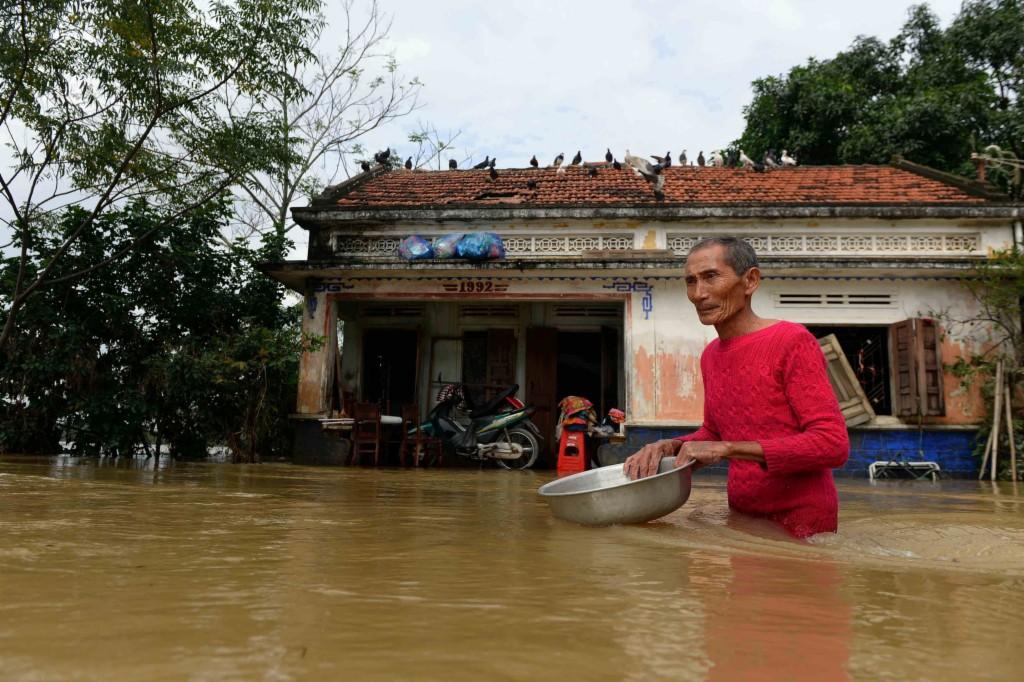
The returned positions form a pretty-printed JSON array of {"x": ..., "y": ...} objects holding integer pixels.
[{"x": 525, "y": 439}]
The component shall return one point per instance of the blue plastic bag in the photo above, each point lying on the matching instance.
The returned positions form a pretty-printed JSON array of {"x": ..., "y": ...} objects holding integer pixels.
[
  {"x": 415, "y": 247},
  {"x": 481, "y": 246},
  {"x": 446, "y": 246}
]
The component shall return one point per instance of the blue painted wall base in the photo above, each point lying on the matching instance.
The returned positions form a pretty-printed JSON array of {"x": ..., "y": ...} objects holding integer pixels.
[{"x": 952, "y": 449}]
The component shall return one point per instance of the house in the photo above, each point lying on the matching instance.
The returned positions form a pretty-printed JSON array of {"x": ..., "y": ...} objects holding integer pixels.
[{"x": 590, "y": 299}]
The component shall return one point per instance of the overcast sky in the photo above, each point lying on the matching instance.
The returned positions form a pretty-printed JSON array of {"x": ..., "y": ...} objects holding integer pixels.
[{"x": 548, "y": 76}]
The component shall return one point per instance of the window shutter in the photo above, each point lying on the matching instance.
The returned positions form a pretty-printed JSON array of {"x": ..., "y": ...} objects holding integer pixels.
[
  {"x": 853, "y": 402},
  {"x": 917, "y": 368}
]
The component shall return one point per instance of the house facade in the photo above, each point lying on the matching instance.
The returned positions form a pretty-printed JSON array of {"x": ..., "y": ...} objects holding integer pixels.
[{"x": 590, "y": 299}]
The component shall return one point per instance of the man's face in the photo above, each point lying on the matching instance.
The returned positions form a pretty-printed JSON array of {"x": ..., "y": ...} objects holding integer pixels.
[{"x": 713, "y": 286}]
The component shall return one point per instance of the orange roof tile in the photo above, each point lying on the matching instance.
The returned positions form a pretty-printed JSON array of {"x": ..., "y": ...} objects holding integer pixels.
[{"x": 684, "y": 186}]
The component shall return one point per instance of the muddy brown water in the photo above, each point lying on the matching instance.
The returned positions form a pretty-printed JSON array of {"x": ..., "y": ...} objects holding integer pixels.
[{"x": 279, "y": 572}]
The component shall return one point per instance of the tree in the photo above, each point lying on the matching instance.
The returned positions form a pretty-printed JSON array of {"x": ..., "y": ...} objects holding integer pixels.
[
  {"x": 934, "y": 96},
  {"x": 344, "y": 96},
  {"x": 183, "y": 344},
  {"x": 105, "y": 102}
]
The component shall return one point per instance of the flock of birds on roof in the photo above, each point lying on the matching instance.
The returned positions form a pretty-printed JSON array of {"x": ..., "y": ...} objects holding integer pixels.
[{"x": 640, "y": 166}]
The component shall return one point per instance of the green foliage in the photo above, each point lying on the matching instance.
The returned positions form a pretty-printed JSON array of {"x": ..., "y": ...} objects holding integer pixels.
[
  {"x": 184, "y": 343},
  {"x": 929, "y": 94},
  {"x": 114, "y": 101}
]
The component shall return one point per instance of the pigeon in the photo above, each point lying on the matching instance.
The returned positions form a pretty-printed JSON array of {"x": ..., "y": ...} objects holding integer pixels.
[
  {"x": 531, "y": 184},
  {"x": 659, "y": 195},
  {"x": 592, "y": 172},
  {"x": 716, "y": 158},
  {"x": 663, "y": 161},
  {"x": 616, "y": 165},
  {"x": 758, "y": 167},
  {"x": 408, "y": 163},
  {"x": 365, "y": 165},
  {"x": 642, "y": 167},
  {"x": 649, "y": 172},
  {"x": 682, "y": 158},
  {"x": 788, "y": 160},
  {"x": 382, "y": 157},
  {"x": 700, "y": 159},
  {"x": 493, "y": 174},
  {"x": 558, "y": 160},
  {"x": 561, "y": 171},
  {"x": 746, "y": 160},
  {"x": 732, "y": 159},
  {"x": 493, "y": 161},
  {"x": 576, "y": 160},
  {"x": 483, "y": 164},
  {"x": 769, "y": 161},
  {"x": 533, "y": 161},
  {"x": 608, "y": 158},
  {"x": 452, "y": 164}
]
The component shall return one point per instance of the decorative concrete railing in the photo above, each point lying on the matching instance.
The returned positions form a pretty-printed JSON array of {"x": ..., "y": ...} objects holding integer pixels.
[
  {"x": 847, "y": 244},
  {"x": 515, "y": 245},
  {"x": 781, "y": 244}
]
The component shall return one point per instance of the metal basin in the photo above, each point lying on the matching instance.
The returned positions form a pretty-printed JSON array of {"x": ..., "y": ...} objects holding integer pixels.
[{"x": 601, "y": 497}]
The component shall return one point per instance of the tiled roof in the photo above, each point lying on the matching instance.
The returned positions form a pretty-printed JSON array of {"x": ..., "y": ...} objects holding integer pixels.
[{"x": 684, "y": 186}]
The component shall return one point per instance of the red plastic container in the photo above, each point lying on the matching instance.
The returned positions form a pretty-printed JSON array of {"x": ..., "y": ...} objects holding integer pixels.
[{"x": 572, "y": 452}]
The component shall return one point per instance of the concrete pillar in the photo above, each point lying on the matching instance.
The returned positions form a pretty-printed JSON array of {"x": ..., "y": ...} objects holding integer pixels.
[{"x": 316, "y": 367}]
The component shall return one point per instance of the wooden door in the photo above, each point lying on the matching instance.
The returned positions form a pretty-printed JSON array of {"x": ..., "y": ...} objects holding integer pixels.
[
  {"x": 541, "y": 386},
  {"x": 501, "y": 359}
]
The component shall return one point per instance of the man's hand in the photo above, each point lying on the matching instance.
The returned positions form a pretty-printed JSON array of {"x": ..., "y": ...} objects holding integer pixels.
[
  {"x": 645, "y": 461},
  {"x": 703, "y": 452}
]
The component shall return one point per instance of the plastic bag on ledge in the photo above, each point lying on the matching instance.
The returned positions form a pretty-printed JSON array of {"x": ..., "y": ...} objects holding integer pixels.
[
  {"x": 481, "y": 246},
  {"x": 415, "y": 247}
]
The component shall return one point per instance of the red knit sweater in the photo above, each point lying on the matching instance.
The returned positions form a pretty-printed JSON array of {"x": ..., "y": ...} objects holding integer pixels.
[{"x": 771, "y": 386}]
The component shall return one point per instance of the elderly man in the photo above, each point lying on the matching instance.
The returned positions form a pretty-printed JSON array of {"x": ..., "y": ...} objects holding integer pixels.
[{"x": 769, "y": 409}]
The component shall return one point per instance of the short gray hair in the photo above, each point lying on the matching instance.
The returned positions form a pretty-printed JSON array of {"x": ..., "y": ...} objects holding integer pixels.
[{"x": 739, "y": 255}]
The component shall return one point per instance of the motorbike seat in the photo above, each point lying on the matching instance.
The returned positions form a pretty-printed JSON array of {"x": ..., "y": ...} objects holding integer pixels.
[{"x": 492, "y": 406}]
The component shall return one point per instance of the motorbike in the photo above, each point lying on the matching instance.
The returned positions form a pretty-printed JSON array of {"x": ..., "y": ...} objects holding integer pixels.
[{"x": 500, "y": 430}]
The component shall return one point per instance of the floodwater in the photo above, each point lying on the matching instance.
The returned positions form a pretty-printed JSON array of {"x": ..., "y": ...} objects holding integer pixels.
[{"x": 279, "y": 572}]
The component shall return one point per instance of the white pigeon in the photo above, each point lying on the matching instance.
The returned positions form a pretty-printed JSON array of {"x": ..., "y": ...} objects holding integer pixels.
[
  {"x": 714, "y": 159},
  {"x": 641, "y": 167},
  {"x": 788, "y": 160},
  {"x": 746, "y": 160},
  {"x": 644, "y": 169}
]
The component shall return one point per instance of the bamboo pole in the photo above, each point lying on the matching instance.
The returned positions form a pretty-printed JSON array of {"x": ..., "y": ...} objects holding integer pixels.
[
  {"x": 998, "y": 408},
  {"x": 984, "y": 456},
  {"x": 1009, "y": 434}
]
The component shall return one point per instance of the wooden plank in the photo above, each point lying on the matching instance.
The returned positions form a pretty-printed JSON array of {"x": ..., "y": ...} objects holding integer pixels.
[
  {"x": 853, "y": 402},
  {"x": 997, "y": 410},
  {"x": 1009, "y": 433}
]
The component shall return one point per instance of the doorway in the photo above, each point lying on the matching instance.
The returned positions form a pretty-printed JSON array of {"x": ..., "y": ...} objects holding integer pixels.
[
  {"x": 390, "y": 368},
  {"x": 565, "y": 362}
]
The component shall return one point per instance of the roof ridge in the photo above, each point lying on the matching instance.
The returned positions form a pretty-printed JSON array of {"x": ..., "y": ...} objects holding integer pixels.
[{"x": 985, "y": 190}]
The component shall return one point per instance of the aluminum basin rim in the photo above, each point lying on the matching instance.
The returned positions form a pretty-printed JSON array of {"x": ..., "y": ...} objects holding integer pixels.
[{"x": 616, "y": 486}]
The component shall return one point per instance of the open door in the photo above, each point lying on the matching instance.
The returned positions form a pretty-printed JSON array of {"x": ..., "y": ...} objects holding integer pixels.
[{"x": 541, "y": 371}]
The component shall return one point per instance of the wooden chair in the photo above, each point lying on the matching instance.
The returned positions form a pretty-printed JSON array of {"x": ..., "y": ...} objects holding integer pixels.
[
  {"x": 415, "y": 443},
  {"x": 366, "y": 432}
]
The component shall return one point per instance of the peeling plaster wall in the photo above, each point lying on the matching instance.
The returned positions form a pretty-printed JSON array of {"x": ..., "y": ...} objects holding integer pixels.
[{"x": 314, "y": 366}]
